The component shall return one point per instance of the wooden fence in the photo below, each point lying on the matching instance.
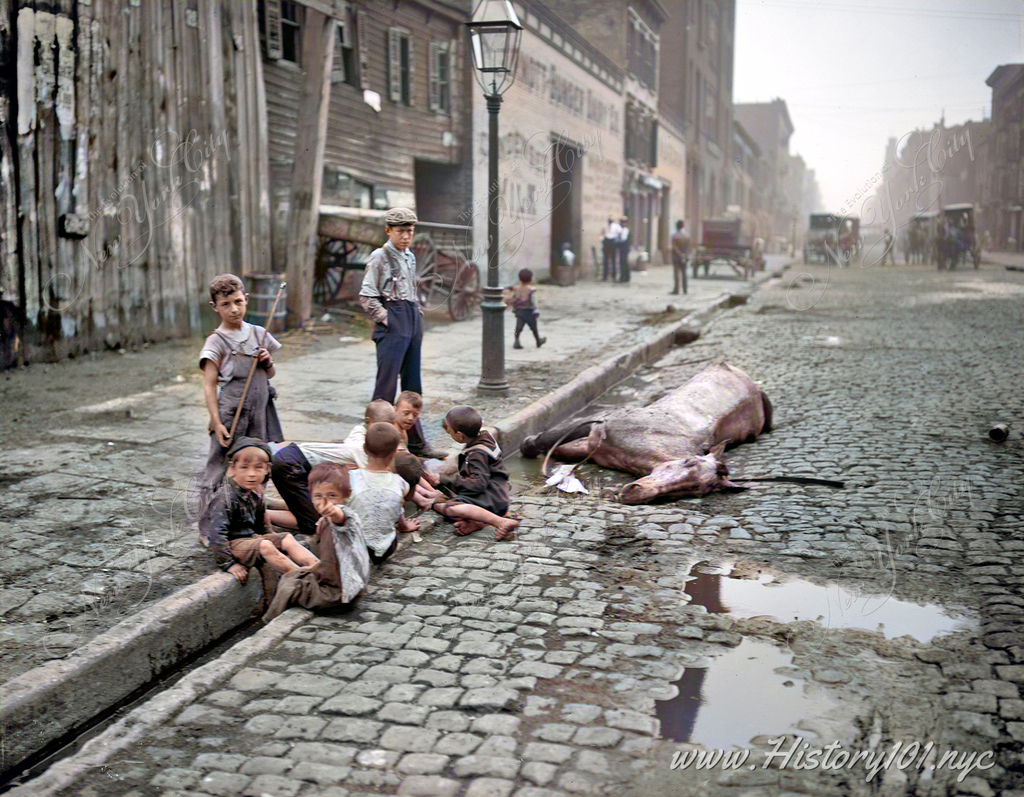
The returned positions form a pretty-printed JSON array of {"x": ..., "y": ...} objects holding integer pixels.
[{"x": 133, "y": 166}]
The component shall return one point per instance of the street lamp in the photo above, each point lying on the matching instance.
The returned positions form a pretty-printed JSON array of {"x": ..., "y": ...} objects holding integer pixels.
[{"x": 494, "y": 34}]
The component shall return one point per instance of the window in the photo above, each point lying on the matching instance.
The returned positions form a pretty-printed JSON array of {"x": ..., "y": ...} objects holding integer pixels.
[
  {"x": 291, "y": 30},
  {"x": 345, "y": 68},
  {"x": 642, "y": 47},
  {"x": 440, "y": 76},
  {"x": 342, "y": 189},
  {"x": 400, "y": 65}
]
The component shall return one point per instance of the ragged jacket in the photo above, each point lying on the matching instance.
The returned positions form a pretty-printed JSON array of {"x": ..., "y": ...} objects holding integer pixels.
[
  {"x": 482, "y": 478},
  {"x": 234, "y": 513}
]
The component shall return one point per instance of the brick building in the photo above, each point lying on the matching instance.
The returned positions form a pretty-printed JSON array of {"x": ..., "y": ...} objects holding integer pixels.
[
  {"x": 629, "y": 35},
  {"x": 1002, "y": 180},
  {"x": 561, "y": 147},
  {"x": 696, "y": 97},
  {"x": 768, "y": 123}
]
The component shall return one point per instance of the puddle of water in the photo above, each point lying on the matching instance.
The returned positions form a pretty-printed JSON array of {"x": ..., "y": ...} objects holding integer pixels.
[
  {"x": 737, "y": 697},
  {"x": 524, "y": 472},
  {"x": 833, "y": 606}
]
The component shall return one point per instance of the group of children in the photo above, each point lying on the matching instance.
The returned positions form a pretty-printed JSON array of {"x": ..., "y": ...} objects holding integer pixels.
[{"x": 349, "y": 497}]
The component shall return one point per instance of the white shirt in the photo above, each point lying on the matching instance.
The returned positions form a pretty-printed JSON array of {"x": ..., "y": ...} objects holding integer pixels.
[
  {"x": 379, "y": 500},
  {"x": 612, "y": 231},
  {"x": 623, "y": 233}
]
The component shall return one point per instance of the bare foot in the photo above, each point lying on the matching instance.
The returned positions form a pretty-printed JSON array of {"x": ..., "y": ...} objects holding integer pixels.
[
  {"x": 405, "y": 524},
  {"x": 507, "y": 529},
  {"x": 464, "y": 527}
]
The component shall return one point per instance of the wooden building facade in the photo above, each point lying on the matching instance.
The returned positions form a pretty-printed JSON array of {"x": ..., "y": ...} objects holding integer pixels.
[{"x": 133, "y": 168}]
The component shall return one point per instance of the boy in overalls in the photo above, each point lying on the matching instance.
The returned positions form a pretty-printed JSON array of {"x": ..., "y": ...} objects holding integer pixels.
[{"x": 225, "y": 360}]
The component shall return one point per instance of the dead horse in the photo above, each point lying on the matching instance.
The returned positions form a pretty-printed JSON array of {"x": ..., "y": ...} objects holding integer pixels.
[{"x": 674, "y": 444}]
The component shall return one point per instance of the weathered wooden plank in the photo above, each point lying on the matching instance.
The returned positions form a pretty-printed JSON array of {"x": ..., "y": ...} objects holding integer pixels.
[
  {"x": 46, "y": 146},
  {"x": 262, "y": 150},
  {"x": 63, "y": 287},
  {"x": 8, "y": 189},
  {"x": 307, "y": 173},
  {"x": 80, "y": 263},
  {"x": 218, "y": 159}
]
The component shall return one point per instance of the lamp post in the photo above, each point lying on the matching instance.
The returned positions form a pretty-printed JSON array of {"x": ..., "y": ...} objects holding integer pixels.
[{"x": 494, "y": 34}]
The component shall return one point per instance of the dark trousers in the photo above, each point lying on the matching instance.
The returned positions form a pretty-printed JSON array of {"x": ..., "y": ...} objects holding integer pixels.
[
  {"x": 527, "y": 318},
  {"x": 398, "y": 357},
  {"x": 289, "y": 471},
  {"x": 610, "y": 252},
  {"x": 398, "y": 351},
  {"x": 624, "y": 261}
]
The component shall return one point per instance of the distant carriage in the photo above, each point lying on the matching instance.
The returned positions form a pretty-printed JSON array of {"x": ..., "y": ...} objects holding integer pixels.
[
  {"x": 956, "y": 238},
  {"x": 821, "y": 237},
  {"x": 445, "y": 273},
  {"x": 722, "y": 242},
  {"x": 920, "y": 237}
]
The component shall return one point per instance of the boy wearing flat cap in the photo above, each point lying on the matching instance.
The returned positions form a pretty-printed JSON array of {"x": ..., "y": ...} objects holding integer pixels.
[
  {"x": 234, "y": 524},
  {"x": 389, "y": 296}
]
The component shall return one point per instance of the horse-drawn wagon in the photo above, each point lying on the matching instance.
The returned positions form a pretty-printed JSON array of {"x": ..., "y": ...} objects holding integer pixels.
[
  {"x": 722, "y": 242},
  {"x": 957, "y": 239},
  {"x": 445, "y": 272}
]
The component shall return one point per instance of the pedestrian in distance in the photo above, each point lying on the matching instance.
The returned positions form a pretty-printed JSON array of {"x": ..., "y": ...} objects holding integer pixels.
[
  {"x": 624, "y": 246},
  {"x": 389, "y": 297},
  {"x": 225, "y": 360},
  {"x": 681, "y": 244},
  {"x": 890, "y": 245},
  {"x": 610, "y": 249},
  {"x": 522, "y": 301}
]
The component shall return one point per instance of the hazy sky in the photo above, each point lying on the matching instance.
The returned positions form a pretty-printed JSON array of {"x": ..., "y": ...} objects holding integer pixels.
[{"x": 855, "y": 72}]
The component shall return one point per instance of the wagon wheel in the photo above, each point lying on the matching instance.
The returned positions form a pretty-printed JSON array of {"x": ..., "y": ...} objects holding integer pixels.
[
  {"x": 428, "y": 281},
  {"x": 330, "y": 269},
  {"x": 466, "y": 291}
]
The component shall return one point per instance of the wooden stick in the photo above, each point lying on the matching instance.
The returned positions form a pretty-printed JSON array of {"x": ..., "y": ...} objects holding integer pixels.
[{"x": 252, "y": 368}]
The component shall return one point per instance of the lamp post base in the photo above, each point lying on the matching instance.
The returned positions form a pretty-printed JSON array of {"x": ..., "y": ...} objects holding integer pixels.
[{"x": 492, "y": 372}]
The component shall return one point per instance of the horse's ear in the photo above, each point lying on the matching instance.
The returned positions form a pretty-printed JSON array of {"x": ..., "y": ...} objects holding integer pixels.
[{"x": 718, "y": 451}]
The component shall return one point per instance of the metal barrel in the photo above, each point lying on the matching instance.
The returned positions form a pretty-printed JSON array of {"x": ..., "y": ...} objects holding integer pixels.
[{"x": 262, "y": 292}]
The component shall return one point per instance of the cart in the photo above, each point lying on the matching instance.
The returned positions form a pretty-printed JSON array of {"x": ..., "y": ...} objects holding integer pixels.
[
  {"x": 821, "y": 237},
  {"x": 445, "y": 273},
  {"x": 721, "y": 243},
  {"x": 920, "y": 237},
  {"x": 957, "y": 239}
]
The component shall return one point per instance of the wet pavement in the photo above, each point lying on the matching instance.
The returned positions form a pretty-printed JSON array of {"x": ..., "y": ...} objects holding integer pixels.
[
  {"x": 95, "y": 486},
  {"x": 603, "y": 649}
]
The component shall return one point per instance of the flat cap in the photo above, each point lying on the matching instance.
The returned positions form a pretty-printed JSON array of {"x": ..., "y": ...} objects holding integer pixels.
[{"x": 399, "y": 216}]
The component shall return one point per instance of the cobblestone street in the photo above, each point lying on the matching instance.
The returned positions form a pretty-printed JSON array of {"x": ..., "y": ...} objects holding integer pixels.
[{"x": 582, "y": 657}]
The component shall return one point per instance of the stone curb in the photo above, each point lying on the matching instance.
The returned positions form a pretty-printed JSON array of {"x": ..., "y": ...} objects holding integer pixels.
[
  {"x": 46, "y": 703},
  {"x": 136, "y": 723}
]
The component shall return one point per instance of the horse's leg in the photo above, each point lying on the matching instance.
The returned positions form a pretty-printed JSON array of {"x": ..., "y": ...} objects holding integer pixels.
[
  {"x": 576, "y": 450},
  {"x": 538, "y": 445}
]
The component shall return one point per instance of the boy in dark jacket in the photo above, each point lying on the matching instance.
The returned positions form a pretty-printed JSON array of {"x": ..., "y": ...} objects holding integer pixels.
[{"x": 480, "y": 492}]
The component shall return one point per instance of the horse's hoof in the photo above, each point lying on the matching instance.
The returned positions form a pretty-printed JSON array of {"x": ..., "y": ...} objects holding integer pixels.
[{"x": 528, "y": 448}]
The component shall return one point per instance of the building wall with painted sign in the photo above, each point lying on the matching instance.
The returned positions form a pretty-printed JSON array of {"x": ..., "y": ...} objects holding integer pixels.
[{"x": 561, "y": 149}]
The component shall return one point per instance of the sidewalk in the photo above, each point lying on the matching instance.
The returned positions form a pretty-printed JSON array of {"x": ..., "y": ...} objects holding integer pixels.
[
  {"x": 98, "y": 509},
  {"x": 1004, "y": 258}
]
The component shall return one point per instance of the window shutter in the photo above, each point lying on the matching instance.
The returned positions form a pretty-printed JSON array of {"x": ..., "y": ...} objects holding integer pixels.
[
  {"x": 360, "y": 45},
  {"x": 272, "y": 29},
  {"x": 338, "y": 63},
  {"x": 432, "y": 77},
  {"x": 394, "y": 66},
  {"x": 412, "y": 70}
]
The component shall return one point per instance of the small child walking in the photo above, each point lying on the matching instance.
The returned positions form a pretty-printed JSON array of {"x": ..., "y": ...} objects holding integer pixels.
[
  {"x": 480, "y": 490},
  {"x": 343, "y": 571},
  {"x": 225, "y": 360},
  {"x": 521, "y": 300},
  {"x": 234, "y": 524}
]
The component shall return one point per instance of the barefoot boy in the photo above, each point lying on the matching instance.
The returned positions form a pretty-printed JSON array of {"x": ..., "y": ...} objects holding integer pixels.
[
  {"x": 344, "y": 567},
  {"x": 481, "y": 492},
  {"x": 235, "y": 525},
  {"x": 225, "y": 360}
]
